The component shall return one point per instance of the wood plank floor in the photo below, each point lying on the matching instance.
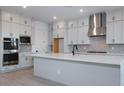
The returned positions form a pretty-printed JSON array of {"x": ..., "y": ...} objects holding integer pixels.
[{"x": 24, "y": 77}]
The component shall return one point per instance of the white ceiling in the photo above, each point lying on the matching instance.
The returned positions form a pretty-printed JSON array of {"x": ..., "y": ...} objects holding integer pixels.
[{"x": 46, "y": 13}]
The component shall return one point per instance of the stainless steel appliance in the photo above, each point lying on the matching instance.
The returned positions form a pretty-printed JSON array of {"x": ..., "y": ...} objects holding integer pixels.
[
  {"x": 10, "y": 55},
  {"x": 97, "y": 25},
  {"x": 25, "y": 40}
]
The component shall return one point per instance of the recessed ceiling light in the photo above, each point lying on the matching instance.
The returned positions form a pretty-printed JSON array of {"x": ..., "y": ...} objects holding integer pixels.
[
  {"x": 81, "y": 10},
  {"x": 54, "y": 17},
  {"x": 24, "y": 6}
]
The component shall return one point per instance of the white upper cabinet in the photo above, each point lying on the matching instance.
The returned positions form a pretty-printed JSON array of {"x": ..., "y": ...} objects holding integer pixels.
[
  {"x": 25, "y": 21},
  {"x": 83, "y": 22},
  {"x": 83, "y": 26},
  {"x": 110, "y": 33},
  {"x": 123, "y": 32},
  {"x": 59, "y": 25},
  {"x": 78, "y": 31},
  {"x": 114, "y": 16},
  {"x": 114, "y": 33},
  {"x": 59, "y": 29},
  {"x": 72, "y": 36},
  {"x": 10, "y": 17},
  {"x": 83, "y": 35},
  {"x": 72, "y": 32},
  {"x": 115, "y": 27},
  {"x": 58, "y": 33},
  {"x": 25, "y": 30},
  {"x": 10, "y": 29},
  {"x": 15, "y": 30},
  {"x": 72, "y": 24}
]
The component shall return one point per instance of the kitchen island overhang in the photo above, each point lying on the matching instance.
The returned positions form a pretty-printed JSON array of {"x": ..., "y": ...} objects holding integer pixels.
[{"x": 68, "y": 70}]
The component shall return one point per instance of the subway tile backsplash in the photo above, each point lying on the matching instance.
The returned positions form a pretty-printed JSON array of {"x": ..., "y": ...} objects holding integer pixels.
[{"x": 99, "y": 44}]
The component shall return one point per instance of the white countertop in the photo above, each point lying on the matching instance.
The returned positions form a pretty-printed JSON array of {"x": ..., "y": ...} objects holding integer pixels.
[{"x": 100, "y": 59}]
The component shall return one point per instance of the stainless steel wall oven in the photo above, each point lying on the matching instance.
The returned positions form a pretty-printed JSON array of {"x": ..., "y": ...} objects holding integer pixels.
[{"x": 10, "y": 54}]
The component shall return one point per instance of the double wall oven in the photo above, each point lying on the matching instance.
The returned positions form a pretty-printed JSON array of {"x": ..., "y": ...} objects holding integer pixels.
[{"x": 10, "y": 53}]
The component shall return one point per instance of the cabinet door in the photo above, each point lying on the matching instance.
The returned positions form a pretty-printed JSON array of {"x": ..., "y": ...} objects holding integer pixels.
[
  {"x": 70, "y": 38},
  {"x": 86, "y": 38},
  {"x": 118, "y": 32},
  {"x": 123, "y": 32},
  {"x": 25, "y": 30},
  {"x": 114, "y": 16},
  {"x": 21, "y": 60},
  {"x": 25, "y": 61},
  {"x": 83, "y": 22},
  {"x": 80, "y": 35},
  {"x": 72, "y": 24},
  {"x": 4, "y": 28},
  {"x": 83, "y": 35},
  {"x": 9, "y": 28},
  {"x": 15, "y": 18},
  {"x": 6, "y": 16},
  {"x": 28, "y": 61},
  {"x": 15, "y": 30},
  {"x": 9, "y": 17},
  {"x": 59, "y": 25},
  {"x": 110, "y": 33},
  {"x": 25, "y": 21},
  {"x": 74, "y": 36}
]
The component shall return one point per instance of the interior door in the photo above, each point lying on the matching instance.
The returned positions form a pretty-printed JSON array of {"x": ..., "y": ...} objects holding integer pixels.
[{"x": 56, "y": 45}]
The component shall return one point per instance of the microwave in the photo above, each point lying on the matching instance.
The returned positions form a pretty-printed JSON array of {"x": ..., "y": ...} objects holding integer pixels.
[{"x": 25, "y": 40}]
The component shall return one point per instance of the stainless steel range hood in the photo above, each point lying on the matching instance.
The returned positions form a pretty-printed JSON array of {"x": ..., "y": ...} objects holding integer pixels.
[{"x": 97, "y": 25}]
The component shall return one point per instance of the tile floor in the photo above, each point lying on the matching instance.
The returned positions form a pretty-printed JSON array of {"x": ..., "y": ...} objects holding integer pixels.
[{"x": 24, "y": 77}]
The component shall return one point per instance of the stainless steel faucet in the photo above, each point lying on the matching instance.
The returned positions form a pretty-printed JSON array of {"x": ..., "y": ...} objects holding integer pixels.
[{"x": 73, "y": 51}]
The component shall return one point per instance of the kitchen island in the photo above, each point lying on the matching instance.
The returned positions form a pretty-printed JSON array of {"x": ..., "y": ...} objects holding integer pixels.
[{"x": 79, "y": 69}]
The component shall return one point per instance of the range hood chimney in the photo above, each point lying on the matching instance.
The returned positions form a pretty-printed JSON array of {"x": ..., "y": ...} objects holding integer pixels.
[{"x": 97, "y": 25}]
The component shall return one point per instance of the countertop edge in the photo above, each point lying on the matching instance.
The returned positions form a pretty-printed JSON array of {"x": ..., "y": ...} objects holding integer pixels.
[{"x": 69, "y": 59}]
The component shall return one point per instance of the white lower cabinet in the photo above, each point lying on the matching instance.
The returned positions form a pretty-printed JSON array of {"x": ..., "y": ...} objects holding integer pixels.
[{"x": 24, "y": 60}]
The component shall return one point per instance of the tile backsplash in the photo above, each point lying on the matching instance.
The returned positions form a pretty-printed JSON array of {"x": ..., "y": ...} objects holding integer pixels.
[{"x": 99, "y": 44}]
